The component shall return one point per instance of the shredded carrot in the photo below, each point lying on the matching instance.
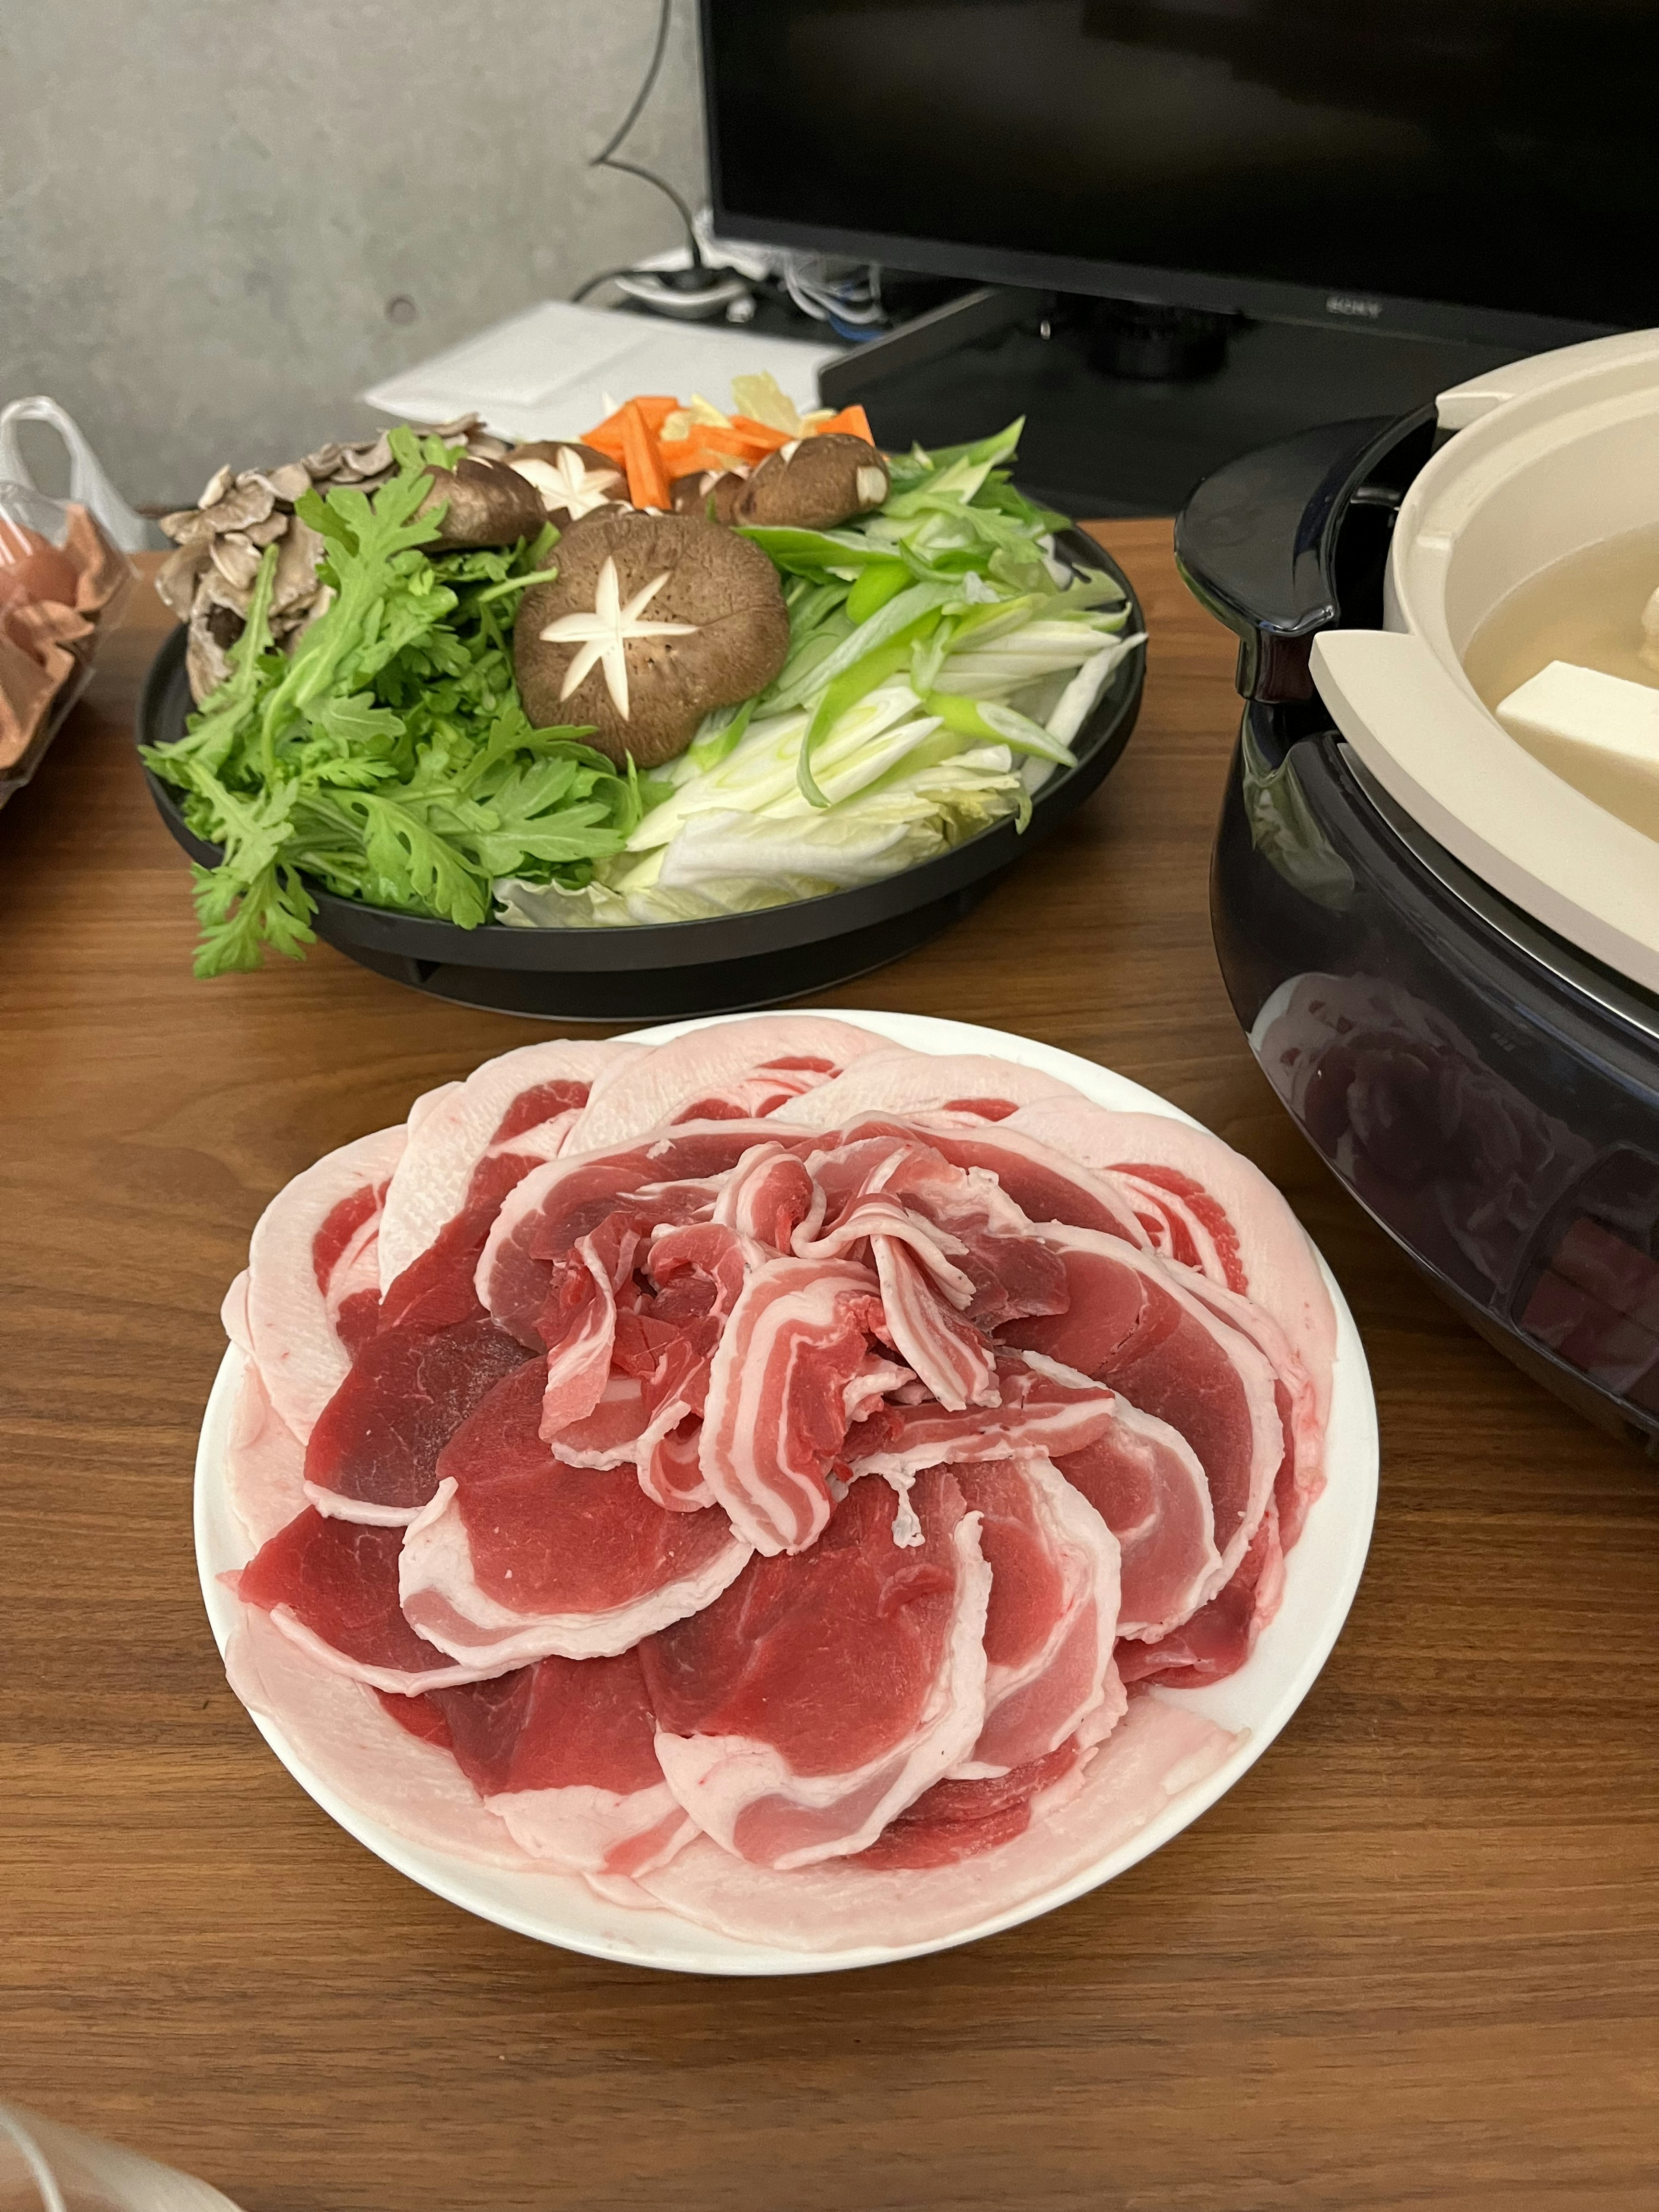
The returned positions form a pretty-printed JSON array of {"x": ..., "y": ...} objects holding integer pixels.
[
  {"x": 853, "y": 420},
  {"x": 647, "y": 480}
]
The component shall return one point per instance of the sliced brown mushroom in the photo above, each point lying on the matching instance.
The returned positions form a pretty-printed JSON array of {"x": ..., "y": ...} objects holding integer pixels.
[
  {"x": 652, "y": 621},
  {"x": 814, "y": 484},
  {"x": 712, "y": 492},
  {"x": 572, "y": 479},
  {"x": 485, "y": 503}
]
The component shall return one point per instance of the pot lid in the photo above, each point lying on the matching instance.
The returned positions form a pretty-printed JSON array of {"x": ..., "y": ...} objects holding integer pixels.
[{"x": 1553, "y": 454}]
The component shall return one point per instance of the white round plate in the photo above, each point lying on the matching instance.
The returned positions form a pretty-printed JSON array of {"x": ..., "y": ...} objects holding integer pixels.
[{"x": 1322, "y": 1575}]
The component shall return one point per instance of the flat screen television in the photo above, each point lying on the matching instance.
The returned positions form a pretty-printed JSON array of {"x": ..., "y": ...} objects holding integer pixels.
[{"x": 1477, "y": 169}]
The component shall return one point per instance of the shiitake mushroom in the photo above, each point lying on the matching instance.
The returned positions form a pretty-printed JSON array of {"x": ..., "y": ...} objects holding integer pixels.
[
  {"x": 485, "y": 503},
  {"x": 712, "y": 492},
  {"x": 652, "y": 621},
  {"x": 572, "y": 479},
  {"x": 814, "y": 484}
]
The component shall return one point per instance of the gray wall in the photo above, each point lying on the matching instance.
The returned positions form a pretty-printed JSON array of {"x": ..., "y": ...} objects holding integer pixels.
[{"x": 206, "y": 206}]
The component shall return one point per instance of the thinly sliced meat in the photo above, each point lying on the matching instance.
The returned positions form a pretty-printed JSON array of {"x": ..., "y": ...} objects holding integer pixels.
[
  {"x": 310, "y": 1258},
  {"x": 265, "y": 1462},
  {"x": 945, "y": 1353},
  {"x": 1301, "y": 1476},
  {"x": 826, "y": 1691},
  {"x": 1134, "y": 1323},
  {"x": 507, "y": 1116},
  {"x": 343, "y": 1735},
  {"x": 520, "y": 1556},
  {"x": 959, "y": 1819},
  {"x": 564, "y": 1754},
  {"x": 709, "y": 1073},
  {"x": 331, "y": 1588},
  {"x": 1159, "y": 1752},
  {"x": 373, "y": 1456},
  {"x": 770, "y": 1196},
  {"x": 1053, "y": 1616},
  {"x": 585, "y": 1301},
  {"x": 1265, "y": 1250},
  {"x": 1042, "y": 1408},
  {"x": 1220, "y": 1636},
  {"x": 1042, "y": 1181},
  {"x": 1144, "y": 1480},
  {"x": 970, "y": 1086},
  {"x": 669, "y": 1179},
  {"x": 775, "y": 1418}
]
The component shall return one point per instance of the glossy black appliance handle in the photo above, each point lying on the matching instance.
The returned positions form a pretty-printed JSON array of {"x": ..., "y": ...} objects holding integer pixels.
[{"x": 1256, "y": 542}]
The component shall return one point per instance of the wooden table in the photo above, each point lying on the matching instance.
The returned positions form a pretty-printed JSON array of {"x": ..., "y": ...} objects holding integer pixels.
[{"x": 1412, "y": 1960}]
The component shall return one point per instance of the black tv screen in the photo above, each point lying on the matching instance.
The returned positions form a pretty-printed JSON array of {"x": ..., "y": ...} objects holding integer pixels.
[{"x": 1467, "y": 168}]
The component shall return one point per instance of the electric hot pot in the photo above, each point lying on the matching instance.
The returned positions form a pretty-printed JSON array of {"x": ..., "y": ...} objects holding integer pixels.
[{"x": 1446, "y": 958}]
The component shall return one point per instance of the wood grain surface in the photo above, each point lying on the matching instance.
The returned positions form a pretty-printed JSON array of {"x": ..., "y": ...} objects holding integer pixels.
[{"x": 1412, "y": 1959}]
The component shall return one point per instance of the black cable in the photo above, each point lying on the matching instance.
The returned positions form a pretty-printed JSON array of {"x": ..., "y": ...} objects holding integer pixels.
[{"x": 604, "y": 160}]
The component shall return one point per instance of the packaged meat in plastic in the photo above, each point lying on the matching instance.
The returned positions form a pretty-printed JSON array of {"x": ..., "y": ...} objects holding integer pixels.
[{"x": 63, "y": 580}]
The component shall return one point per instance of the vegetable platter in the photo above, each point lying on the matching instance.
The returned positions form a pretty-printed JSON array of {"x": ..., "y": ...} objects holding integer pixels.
[{"x": 701, "y": 712}]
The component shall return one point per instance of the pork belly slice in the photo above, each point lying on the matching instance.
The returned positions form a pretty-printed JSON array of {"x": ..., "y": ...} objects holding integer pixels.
[
  {"x": 1134, "y": 1323},
  {"x": 344, "y": 1733},
  {"x": 265, "y": 1462},
  {"x": 824, "y": 1691},
  {"x": 478, "y": 1138},
  {"x": 564, "y": 1754},
  {"x": 1042, "y": 1408},
  {"x": 734, "y": 1070},
  {"x": 1248, "y": 1239},
  {"x": 971, "y": 1087},
  {"x": 331, "y": 1587},
  {"x": 519, "y": 1555},
  {"x": 312, "y": 1281},
  {"x": 1217, "y": 1639},
  {"x": 774, "y": 1417},
  {"x": 1052, "y": 1619},
  {"x": 670, "y": 1178},
  {"x": 1159, "y": 1751}
]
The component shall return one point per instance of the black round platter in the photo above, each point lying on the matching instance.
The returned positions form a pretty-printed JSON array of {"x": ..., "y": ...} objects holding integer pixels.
[{"x": 663, "y": 971}]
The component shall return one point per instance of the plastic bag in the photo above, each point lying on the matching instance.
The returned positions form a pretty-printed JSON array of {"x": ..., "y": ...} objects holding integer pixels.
[
  {"x": 62, "y": 582},
  {"x": 89, "y": 485}
]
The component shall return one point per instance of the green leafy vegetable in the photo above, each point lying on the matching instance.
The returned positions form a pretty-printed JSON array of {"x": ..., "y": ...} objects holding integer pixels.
[{"x": 389, "y": 759}]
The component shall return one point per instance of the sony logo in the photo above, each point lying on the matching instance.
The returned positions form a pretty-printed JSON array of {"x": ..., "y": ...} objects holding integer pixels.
[{"x": 1345, "y": 303}]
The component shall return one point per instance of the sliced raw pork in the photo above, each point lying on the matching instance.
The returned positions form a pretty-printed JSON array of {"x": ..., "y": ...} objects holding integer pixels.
[
  {"x": 823, "y": 1692},
  {"x": 564, "y": 1754},
  {"x": 1146, "y": 1481},
  {"x": 1042, "y": 1408},
  {"x": 1247, "y": 1239},
  {"x": 313, "y": 1282},
  {"x": 669, "y": 1178},
  {"x": 1159, "y": 1752},
  {"x": 346, "y": 1736},
  {"x": 331, "y": 1588},
  {"x": 1132, "y": 1323},
  {"x": 738, "y": 1070},
  {"x": 264, "y": 1462},
  {"x": 1219, "y": 1637},
  {"x": 519, "y": 1555},
  {"x": 1053, "y": 1615},
  {"x": 372, "y": 1454},
  {"x": 969, "y": 1086},
  {"x": 775, "y": 1415},
  {"x": 478, "y": 1138}
]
